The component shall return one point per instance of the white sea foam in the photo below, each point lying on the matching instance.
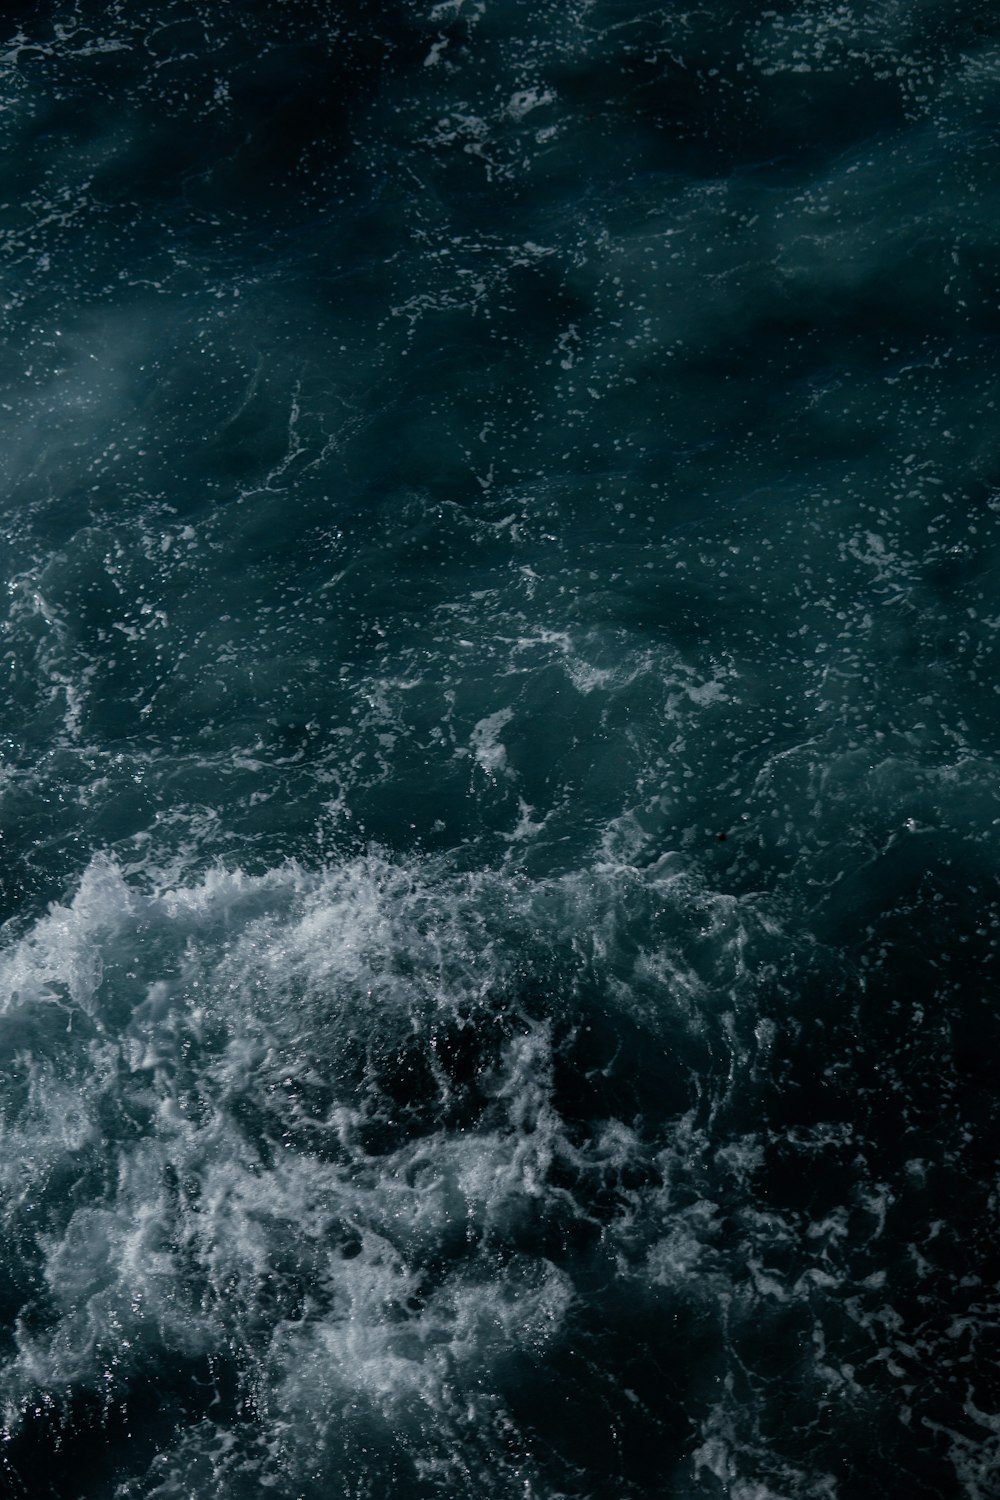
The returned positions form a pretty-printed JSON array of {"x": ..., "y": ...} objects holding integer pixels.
[
  {"x": 489, "y": 749},
  {"x": 233, "y": 1027},
  {"x": 290, "y": 1172}
]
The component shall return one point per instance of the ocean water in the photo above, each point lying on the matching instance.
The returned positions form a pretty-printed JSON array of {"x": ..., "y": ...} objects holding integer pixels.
[{"x": 499, "y": 764}]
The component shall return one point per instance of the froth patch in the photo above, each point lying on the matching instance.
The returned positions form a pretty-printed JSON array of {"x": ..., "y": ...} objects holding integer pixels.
[{"x": 311, "y": 1127}]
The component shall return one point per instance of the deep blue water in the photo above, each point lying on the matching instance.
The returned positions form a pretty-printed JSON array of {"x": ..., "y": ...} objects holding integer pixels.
[{"x": 499, "y": 764}]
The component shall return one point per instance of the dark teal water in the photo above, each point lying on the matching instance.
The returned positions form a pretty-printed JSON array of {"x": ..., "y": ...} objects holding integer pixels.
[{"x": 499, "y": 767}]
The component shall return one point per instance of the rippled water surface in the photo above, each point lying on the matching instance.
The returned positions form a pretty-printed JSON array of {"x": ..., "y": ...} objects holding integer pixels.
[{"x": 499, "y": 757}]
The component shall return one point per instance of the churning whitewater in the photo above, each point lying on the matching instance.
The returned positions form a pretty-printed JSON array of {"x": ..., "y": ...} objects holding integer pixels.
[{"x": 499, "y": 796}]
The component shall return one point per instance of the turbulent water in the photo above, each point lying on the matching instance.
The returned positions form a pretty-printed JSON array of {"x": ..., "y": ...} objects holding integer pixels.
[{"x": 499, "y": 766}]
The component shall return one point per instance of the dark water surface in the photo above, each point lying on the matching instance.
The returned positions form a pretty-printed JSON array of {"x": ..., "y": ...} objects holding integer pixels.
[{"x": 499, "y": 766}]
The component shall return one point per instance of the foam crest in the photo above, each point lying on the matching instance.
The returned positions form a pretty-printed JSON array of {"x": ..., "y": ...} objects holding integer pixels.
[
  {"x": 318, "y": 1118},
  {"x": 60, "y": 962}
]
